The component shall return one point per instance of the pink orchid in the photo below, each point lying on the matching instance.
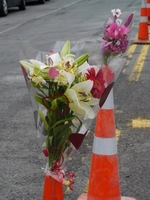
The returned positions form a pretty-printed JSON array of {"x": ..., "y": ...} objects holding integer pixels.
[
  {"x": 124, "y": 44},
  {"x": 129, "y": 20},
  {"x": 105, "y": 46},
  {"x": 115, "y": 31}
]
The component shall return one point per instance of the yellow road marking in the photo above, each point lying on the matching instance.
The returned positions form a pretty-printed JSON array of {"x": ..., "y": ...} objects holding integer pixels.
[
  {"x": 136, "y": 72},
  {"x": 118, "y": 132},
  {"x": 86, "y": 187},
  {"x": 131, "y": 50},
  {"x": 129, "y": 53},
  {"x": 140, "y": 123}
]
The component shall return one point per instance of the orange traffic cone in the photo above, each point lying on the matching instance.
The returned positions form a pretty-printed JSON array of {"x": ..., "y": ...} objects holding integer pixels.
[
  {"x": 104, "y": 183},
  {"x": 143, "y": 37},
  {"x": 53, "y": 189},
  {"x": 148, "y": 11}
]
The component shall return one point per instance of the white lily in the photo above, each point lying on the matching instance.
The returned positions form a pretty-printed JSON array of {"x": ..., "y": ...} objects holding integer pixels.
[
  {"x": 80, "y": 100},
  {"x": 65, "y": 78},
  {"x": 38, "y": 80},
  {"x": 26, "y": 64},
  {"x": 56, "y": 59},
  {"x": 38, "y": 64},
  {"x": 69, "y": 58},
  {"x": 67, "y": 64},
  {"x": 84, "y": 67}
]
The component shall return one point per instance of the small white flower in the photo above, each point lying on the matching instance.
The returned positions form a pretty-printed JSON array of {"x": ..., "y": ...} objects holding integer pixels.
[
  {"x": 65, "y": 78},
  {"x": 56, "y": 59},
  {"x": 38, "y": 80},
  {"x": 69, "y": 58},
  {"x": 116, "y": 12}
]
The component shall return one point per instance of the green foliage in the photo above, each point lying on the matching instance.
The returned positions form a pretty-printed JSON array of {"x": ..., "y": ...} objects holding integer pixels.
[
  {"x": 82, "y": 59},
  {"x": 38, "y": 99},
  {"x": 65, "y": 49},
  {"x": 43, "y": 119}
]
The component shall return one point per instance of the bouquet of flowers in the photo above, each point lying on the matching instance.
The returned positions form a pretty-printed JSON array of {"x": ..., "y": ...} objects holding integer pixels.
[
  {"x": 61, "y": 92},
  {"x": 114, "y": 43}
]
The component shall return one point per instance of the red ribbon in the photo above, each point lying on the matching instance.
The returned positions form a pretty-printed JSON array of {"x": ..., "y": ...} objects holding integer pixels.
[{"x": 56, "y": 168}]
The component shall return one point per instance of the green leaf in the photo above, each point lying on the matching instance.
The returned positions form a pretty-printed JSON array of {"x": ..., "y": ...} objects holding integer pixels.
[
  {"x": 81, "y": 59},
  {"x": 36, "y": 69},
  {"x": 50, "y": 139},
  {"x": 39, "y": 88},
  {"x": 63, "y": 140},
  {"x": 38, "y": 99},
  {"x": 59, "y": 128},
  {"x": 65, "y": 49},
  {"x": 62, "y": 121},
  {"x": 45, "y": 87},
  {"x": 78, "y": 129},
  {"x": 62, "y": 99},
  {"x": 43, "y": 119},
  {"x": 54, "y": 104},
  {"x": 47, "y": 104},
  {"x": 42, "y": 96},
  {"x": 26, "y": 64}
]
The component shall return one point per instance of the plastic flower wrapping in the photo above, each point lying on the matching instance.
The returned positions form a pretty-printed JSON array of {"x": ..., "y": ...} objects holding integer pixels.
[
  {"x": 114, "y": 44},
  {"x": 60, "y": 91},
  {"x": 67, "y": 91}
]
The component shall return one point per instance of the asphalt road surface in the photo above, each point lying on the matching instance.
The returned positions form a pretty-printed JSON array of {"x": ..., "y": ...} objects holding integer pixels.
[{"x": 40, "y": 26}]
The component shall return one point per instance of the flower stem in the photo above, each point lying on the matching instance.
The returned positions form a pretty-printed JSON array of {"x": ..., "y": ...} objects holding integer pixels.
[{"x": 105, "y": 60}]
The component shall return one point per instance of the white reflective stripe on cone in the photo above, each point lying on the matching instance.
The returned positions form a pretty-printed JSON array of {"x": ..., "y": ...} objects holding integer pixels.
[
  {"x": 143, "y": 19},
  {"x": 148, "y": 5},
  {"x": 105, "y": 146},
  {"x": 109, "y": 103}
]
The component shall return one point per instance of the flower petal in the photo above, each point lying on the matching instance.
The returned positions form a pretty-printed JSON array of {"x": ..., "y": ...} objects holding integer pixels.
[
  {"x": 83, "y": 68},
  {"x": 77, "y": 109},
  {"x": 38, "y": 64},
  {"x": 53, "y": 72},
  {"x": 93, "y": 101},
  {"x": 85, "y": 86},
  {"x": 65, "y": 77},
  {"x": 89, "y": 113},
  {"x": 55, "y": 58},
  {"x": 72, "y": 96}
]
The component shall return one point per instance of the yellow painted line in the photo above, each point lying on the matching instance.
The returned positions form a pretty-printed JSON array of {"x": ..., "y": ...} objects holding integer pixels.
[
  {"x": 131, "y": 50},
  {"x": 118, "y": 132},
  {"x": 86, "y": 187},
  {"x": 129, "y": 54},
  {"x": 140, "y": 123},
  {"x": 136, "y": 72}
]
